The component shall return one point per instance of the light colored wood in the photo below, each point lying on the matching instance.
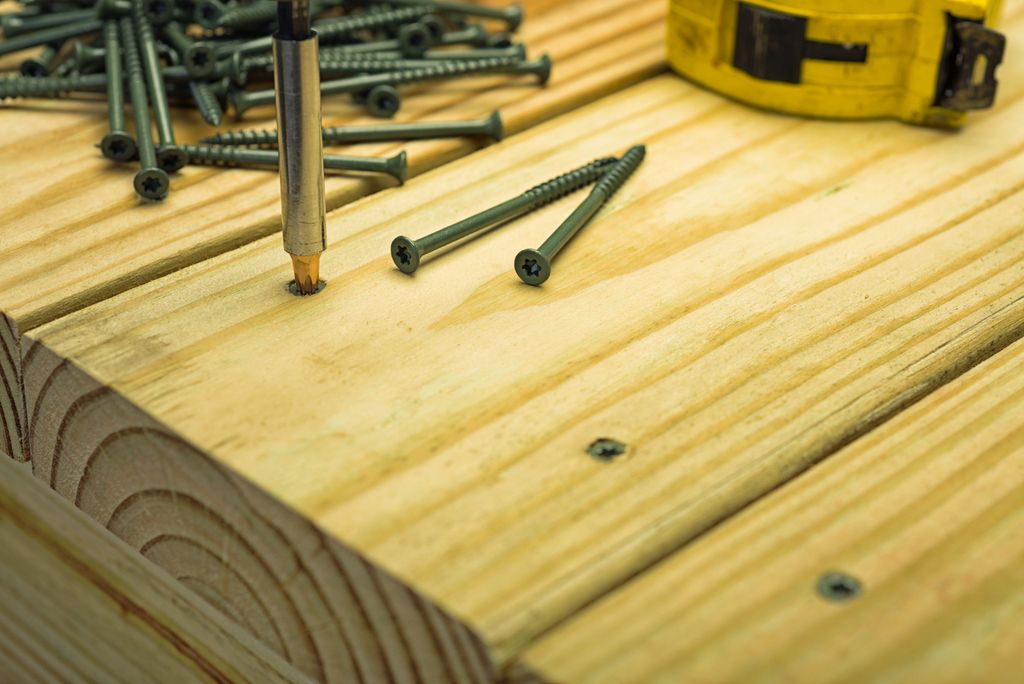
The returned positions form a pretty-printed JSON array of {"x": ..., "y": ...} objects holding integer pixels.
[
  {"x": 73, "y": 232},
  {"x": 927, "y": 512},
  {"x": 79, "y": 605},
  {"x": 764, "y": 291}
]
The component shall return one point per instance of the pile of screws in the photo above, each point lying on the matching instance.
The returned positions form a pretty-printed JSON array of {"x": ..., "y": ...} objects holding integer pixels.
[
  {"x": 209, "y": 54},
  {"x": 533, "y": 266}
]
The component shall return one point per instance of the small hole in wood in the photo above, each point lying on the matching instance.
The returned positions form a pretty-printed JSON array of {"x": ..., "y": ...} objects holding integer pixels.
[{"x": 838, "y": 587}]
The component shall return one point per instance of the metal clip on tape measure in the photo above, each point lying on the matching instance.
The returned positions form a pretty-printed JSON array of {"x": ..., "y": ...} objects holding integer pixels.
[{"x": 923, "y": 61}]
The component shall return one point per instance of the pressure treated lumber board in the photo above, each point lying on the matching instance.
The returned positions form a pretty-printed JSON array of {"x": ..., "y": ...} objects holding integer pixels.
[
  {"x": 73, "y": 232},
  {"x": 79, "y": 605},
  {"x": 927, "y": 512},
  {"x": 764, "y": 290}
]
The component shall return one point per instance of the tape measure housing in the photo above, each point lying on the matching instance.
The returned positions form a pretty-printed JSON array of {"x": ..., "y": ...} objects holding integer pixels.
[{"x": 923, "y": 61}]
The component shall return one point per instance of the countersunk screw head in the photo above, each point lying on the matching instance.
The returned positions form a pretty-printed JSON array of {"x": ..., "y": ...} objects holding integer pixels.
[
  {"x": 118, "y": 146},
  {"x": 406, "y": 254},
  {"x": 383, "y": 101},
  {"x": 159, "y": 11},
  {"x": 152, "y": 184},
  {"x": 171, "y": 158},
  {"x": 414, "y": 39},
  {"x": 532, "y": 267},
  {"x": 839, "y": 587},
  {"x": 605, "y": 449},
  {"x": 435, "y": 26}
]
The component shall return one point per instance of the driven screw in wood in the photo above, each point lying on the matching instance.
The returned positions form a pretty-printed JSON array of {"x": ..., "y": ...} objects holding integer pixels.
[
  {"x": 116, "y": 144},
  {"x": 490, "y": 127},
  {"x": 151, "y": 181},
  {"x": 169, "y": 155},
  {"x": 226, "y": 155},
  {"x": 533, "y": 266},
  {"x": 407, "y": 253}
]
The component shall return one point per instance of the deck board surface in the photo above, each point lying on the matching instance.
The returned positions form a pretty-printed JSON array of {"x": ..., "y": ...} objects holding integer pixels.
[
  {"x": 926, "y": 512},
  {"x": 764, "y": 291}
]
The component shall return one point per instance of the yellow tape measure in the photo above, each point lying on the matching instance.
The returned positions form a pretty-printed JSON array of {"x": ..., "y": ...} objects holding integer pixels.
[{"x": 923, "y": 61}]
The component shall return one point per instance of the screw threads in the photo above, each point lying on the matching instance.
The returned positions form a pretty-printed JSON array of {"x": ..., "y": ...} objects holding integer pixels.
[
  {"x": 207, "y": 102},
  {"x": 227, "y": 155},
  {"x": 50, "y": 86},
  {"x": 249, "y": 15},
  {"x": 246, "y": 138},
  {"x": 329, "y": 30},
  {"x": 454, "y": 68},
  {"x": 567, "y": 183},
  {"x": 400, "y": 65},
  {"x": 620, "y": 172}
]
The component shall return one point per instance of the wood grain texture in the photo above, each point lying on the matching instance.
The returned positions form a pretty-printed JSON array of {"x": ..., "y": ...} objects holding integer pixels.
[
  {"x": 79, "y": 605},
  {"x": 927, "y": 512},
  {"x": 73, "y": 232},
  {"x": 764, "y": 291}
]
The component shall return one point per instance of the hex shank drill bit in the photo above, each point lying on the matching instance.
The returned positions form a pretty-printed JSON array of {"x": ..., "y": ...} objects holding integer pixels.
[
  {"x": 533, "y": 266},
  {"x": 407, "y": 253},
  {"x": 297, "y": 90}
]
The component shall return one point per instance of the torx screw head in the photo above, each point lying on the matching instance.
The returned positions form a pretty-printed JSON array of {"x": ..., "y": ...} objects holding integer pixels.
[
  {"x": 435, "y": 25},
  {"x": 405, "y": 254},
  {"x": 532, "y": 267},
  {"x": 152, "y": 184},
  {"x": 171, "y": 158},
  {"x": 159, "y": 11},
  {"x": 118, "y": 146},
  {"x": 383, "y": 101},
  {"x": 201, "y": 60},
  {"x": 414, "y": 39}
]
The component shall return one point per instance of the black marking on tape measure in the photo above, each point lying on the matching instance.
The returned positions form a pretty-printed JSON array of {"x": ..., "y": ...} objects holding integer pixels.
[{"x": 772, "y": 46}]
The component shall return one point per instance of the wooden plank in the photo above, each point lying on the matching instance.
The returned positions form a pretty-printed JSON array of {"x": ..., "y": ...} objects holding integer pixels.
[
  {"x": 926, "y": 512},
  {"x": 79, "y": 605},
  {"x": 74, "y": 233},
  {"x": 765, "y": 290}
]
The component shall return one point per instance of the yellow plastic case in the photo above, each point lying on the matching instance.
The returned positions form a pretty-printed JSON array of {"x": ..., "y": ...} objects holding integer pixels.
[{"x": 923, "y": 61}]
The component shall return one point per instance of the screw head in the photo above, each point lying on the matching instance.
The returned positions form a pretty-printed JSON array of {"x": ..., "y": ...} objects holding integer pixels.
[
  {"x": 435, "y": 26},
  {"x": 152, "y": 184},
  {"x": 201, "y": 60},
  {"x": 543, "y": 69},
  {"x": 118, "y": 146},
  {"x": 208, "y": 13},
  {"x": 33, "y": 68},
  {"x": 171, "y": 158},
  {"x": 383, "y": 102},
  {"x": 839, "y": 587},
  {"x": 495, "y": 127},
  {"x": 532, "y": 267},
  {"x": 414, "y": 39},
  {"x": 405, "y": 254},
  {"x": 293, "y": 287},
  {"x": 606, "y": 450},
  {"x": 159, "y": 11}
]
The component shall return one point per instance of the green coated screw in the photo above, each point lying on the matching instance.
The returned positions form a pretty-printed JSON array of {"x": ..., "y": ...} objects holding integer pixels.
[
  {"x": 113, "y": 9},
  {"x": 199, "y": 58},
  {"x": 159, "y": 12},
  {"x": 226, "y": 155},
  {"x": 512, "y": 15},
  {"x": 490, "y": 127},
  {"x": 15, "y": 26},
  {"x": 206, "y": 102},
  {"x": 533, "y": 266},
  {"x": 40, "y": 65},
  {"x": 255, "y": 15},
  {"x": 151, "y": 181},
  {"x": 54, "y": 34},
  {"x": 839, "y": 586},
  {"x": 116, "y": 144},
  {"x": 244, "y": 100},
  {"x": 51, "y": 86},
  {"x": 408, "y": 253},
  {"x": 169, "y": 155},
  {"x": 383, "y": 66}
]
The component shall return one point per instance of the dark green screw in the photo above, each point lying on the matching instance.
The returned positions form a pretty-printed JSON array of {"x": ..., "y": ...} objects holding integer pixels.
[
  {"x": 54, "y": 34},
  {"x": 169, "y": 155},
  {"x": 51, "y": 86},
  {"x": 512, "y": 16},
  {"x": 839, "y": 587},
  {"x": 225, "y": 155},
  {"x": 207, "y": 13},
  {"x": 113, "y": 9},
  {"x": 116, "y": 144},
  {"x": 255, "y": 15},
  {"x": 244, "y": 100},
  {"x": 15, "y": 26},
  {"x": 206, "y": 102},
  {"x": 606, "y": 450},
  {"x": 331, "y": 66},
  {"x": 490, "y": 127},
  {"x": 533, "y": 266},
  {"x": 199, "y": 59},
  {"x": 159, "y": 12},
  {"x": 42, "y": 64},
  {"x": 151, "y": 181},
  {"x": 407, "y": 253}
]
